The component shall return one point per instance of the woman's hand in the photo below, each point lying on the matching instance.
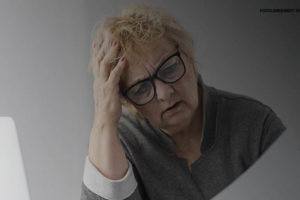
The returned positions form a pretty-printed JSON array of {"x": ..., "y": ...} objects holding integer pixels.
[
  {"x": 105, "y": 149},
  {"x": 106, "y": 85}
]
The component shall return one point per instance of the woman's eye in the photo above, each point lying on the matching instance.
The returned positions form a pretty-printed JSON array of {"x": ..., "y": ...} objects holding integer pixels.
[
  {"x": 169, "y": 70},
  {"x": 142, "y": 89}
]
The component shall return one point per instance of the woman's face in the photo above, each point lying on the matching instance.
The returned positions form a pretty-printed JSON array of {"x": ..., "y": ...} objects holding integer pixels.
[{"x": 161, "y": 111}]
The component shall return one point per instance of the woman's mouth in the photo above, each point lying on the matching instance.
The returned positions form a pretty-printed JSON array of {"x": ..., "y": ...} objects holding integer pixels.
[{"x": 173, "y": 109}]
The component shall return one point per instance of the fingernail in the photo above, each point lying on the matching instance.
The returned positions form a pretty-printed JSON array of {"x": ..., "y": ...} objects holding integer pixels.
[
  {"x": 115, "y": 43},
  {"x": 94, "y": 45}
]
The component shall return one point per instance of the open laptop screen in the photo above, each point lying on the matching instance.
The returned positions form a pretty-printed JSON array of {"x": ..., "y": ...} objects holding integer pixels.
[
  {"x": 275, "y": 175},
  {"x": 13, "y": 184}
]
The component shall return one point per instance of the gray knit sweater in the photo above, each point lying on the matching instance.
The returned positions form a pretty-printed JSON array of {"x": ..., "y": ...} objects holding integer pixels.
[{"x": 237, "y": 130}]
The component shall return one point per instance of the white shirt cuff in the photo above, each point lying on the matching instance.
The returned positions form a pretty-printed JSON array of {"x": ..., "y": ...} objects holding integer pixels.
[{"x": 108, "y": 188}]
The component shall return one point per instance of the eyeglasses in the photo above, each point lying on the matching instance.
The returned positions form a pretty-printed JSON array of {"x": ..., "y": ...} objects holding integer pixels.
[{"x": 170, "y": 71}]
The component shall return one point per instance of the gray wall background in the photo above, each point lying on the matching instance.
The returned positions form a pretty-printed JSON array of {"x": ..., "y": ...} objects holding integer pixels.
[{"x": 46, "y": 87}]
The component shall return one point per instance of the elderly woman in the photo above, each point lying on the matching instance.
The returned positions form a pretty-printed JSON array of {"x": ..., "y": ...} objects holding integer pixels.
[{"x": 159, "y": 131}]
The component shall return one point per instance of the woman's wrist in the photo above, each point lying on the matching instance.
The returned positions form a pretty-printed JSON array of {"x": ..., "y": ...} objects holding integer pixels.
[{"x": 105, "y": 123}]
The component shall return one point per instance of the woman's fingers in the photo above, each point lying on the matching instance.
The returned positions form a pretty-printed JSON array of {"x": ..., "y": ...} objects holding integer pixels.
[
  {"x": 98, "y": 57},
  {"x": 104, "y": 63},
  {"x": 108, "y": 61},
  {"x": 115, "y": 74}
]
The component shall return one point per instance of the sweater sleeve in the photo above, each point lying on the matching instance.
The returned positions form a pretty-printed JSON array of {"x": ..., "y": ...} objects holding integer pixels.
[
  {"x": 272, "y": 129},
  {"x": 96, "y": 186}
]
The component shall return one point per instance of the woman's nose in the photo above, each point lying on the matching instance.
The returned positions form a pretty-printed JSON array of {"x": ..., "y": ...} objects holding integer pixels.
[{"x": 163, "y": 90}]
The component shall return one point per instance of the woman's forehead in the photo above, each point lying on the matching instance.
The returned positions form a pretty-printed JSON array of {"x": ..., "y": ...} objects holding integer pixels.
[{"x": 145, "y": 66}]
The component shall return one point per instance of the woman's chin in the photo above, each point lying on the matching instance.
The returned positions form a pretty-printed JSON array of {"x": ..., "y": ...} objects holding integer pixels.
[
  {"x": 175, "y": 119},
  {"x": 176, "y": 122}
]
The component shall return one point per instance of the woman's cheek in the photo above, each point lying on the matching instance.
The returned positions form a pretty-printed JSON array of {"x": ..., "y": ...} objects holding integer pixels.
[{"x": 148, "y": 112}]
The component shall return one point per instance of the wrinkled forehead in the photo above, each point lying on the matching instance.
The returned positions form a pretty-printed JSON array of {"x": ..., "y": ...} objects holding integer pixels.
[{"x": 144, "y": 64}]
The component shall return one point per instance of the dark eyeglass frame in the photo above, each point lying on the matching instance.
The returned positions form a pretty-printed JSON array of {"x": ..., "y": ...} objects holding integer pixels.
[{"x": 154, "y": 76}]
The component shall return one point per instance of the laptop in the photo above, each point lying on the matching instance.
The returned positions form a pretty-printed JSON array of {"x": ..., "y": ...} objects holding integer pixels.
[
  {"x": 274, "y": 176},
  {"x": 13, "y": 183}
]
